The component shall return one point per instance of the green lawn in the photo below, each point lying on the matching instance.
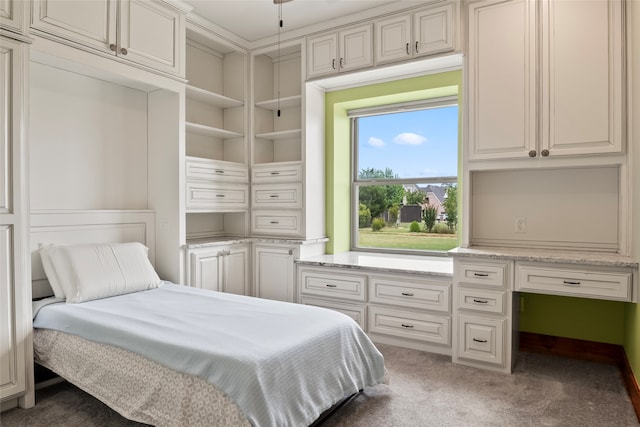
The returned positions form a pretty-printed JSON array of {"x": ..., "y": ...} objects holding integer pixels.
[{"x": 402, "y": 238}]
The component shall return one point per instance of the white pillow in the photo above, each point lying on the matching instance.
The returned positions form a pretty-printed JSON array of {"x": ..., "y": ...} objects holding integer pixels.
[
  {"x": 58, "y": 291},
  {"x": 88, "y": 272}
]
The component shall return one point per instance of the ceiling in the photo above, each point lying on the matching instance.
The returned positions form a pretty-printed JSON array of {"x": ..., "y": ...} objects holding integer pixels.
[{"x": 256, "y": 19}]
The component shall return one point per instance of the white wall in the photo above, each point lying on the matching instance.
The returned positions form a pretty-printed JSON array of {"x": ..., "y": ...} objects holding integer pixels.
[{"x": 88, "y": 142}]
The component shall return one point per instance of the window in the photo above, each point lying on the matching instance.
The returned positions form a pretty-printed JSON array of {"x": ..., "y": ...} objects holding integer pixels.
[{"x": 405, "y": 175}]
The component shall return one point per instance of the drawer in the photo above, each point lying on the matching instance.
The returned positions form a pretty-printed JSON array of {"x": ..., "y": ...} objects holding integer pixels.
[
  {"x": 481, "y": 339},
  {"x": 586, "y": 283},
  {"x": 332, "y": 284},
  {"x": 355, "y": 311},
  {"x": 202, "y": 196},
  {"x": 276, "y": 172},
  {"x": 412, "y": 293},
  {"x": 286, "y": 196},
  {"x": 481, "y": 300},
  {"x": 486, "y": 274},
  {"x": 276, "y": 223},
  {"x": 197, "y": 168},
  {"x": 404, "y": 324}
]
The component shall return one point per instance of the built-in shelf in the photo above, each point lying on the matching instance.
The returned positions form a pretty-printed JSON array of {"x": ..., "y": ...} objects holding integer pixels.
[
  {"x": 285, "y": 134},
  {"x": 273, "y": 104},
  {"x": 212, "y": 98},
  {"x": 211, "y": 131}
]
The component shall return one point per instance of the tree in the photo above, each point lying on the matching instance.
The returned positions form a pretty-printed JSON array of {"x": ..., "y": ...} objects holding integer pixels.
[
  {"x": 379, "y": 198},
  {"x": 364, "y": 216},
  {"x": 393, "y": 214},
  {"x": 451, "y": 206},
  {"x": 414, "y": 197},
  {"x": 429, "y": 216}
]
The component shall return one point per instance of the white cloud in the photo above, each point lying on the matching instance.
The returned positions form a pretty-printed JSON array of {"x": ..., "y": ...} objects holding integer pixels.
[
  {"x": 409, "y": 138},
  {"x": 375, "y": 142}
]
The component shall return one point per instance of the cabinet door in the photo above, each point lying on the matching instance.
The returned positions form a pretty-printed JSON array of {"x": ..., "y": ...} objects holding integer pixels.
[
  {"x": 236, "y": 271},
  {"x": 322, "y": 55},
  {"x": 13, "y": 15},
  {"x": 274, "y": 273},
  {"x": 205, "y": 269},
  {"x": 355, "y": 48},
  {"x": 433, "y": 30},
  {"x": 151, "y": 34},
  {"x": 501, "y": 79},
  {"x": 393, "y": 39},
  {"x": 582, "y": 70},
  {"x": 90, "y": 23}
]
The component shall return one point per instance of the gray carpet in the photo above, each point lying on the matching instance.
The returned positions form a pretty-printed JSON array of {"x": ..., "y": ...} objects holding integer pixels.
[{"x": 425, "y": 390}]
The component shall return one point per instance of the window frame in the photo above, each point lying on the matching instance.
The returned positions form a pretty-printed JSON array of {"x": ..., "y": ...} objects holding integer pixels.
[{"x": 356, "y": 182}]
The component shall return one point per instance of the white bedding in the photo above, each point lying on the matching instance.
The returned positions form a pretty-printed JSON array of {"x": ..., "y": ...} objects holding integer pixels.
[{"x": 282, "y": 364}]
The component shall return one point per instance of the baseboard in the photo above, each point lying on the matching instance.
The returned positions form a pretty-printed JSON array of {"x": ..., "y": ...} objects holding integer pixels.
[{"x": 585, "y": 350}]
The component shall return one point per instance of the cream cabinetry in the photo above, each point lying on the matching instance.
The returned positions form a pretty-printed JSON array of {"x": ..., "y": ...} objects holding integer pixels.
[
  {"x": 274, "y": 272},
  {"x": 566, "y": 57},
  {"x": 483, "y": 320},
  {"x": 216, "y": 161},
  {"x": 146, "y": 32},
  {"x": 14, "y": 15},
  {"x": 422, "y": 33},
  {"x": 345, "y": 50},
  {"x": 220, "y": 268},
  {"x": 16, "y": 360}
]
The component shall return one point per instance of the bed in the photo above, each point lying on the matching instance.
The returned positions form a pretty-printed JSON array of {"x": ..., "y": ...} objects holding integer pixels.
[{"x": 170, "y": 355}]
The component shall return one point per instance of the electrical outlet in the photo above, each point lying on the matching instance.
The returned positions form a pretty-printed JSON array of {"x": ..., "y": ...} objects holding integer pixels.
[{"x": 521, "y": 224}]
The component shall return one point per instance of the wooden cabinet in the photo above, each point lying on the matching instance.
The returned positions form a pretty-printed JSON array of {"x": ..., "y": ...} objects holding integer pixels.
[
  {"x": 222, "y": 268},
  {"x": 14, "y": 15},
  {"x": 422, "y": 33},
  {"x": 274, "y": 272},
  {"x": 334, "y": 52},
  {"x": 575, "y": 74},
  {"x": 16, "y": 360},
  {"x": 147, "y": 32},
  {"x": 482, "y": 314}
]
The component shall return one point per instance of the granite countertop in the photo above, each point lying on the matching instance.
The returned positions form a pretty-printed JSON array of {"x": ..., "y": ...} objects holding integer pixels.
[
  {"x": 386, "y": 263},
  {"x": 547, "y": 255},
  {"x": 233, "y": 240}
]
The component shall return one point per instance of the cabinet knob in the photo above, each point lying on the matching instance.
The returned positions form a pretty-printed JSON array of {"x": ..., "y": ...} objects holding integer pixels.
[
  {"x": 112, "y": 47},
  {"x": 532, "y": 153},
  {"x": 544, "y": 153},
  {"x": 290, "y": 251},
  {"x": 123, "y": 51}
]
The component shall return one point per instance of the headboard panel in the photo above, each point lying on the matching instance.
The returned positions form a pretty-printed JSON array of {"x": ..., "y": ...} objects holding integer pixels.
[{"x": 82, "y": 227}]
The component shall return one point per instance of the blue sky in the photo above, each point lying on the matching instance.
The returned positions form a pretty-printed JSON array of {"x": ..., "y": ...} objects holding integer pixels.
[{"x": 413, "y": 144}]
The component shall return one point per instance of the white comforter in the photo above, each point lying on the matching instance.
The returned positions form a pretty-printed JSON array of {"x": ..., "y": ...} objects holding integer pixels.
[{"x": 283, "y": 364}]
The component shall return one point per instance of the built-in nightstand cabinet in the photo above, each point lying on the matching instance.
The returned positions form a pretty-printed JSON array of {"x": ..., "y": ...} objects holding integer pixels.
[
  {"x": 216, "y": 161},
  {"x": 422, "y": 33},
  {"x": 146, "y": 32},
  {"x": 410, "y": 311},
  {"x": 220, "y": 268},
  {"x": 576, "y": 74},
  {"x": 483, "y": 323},
  {"x": 336, "y": 289},
  {"x": 16, "y": 358},
  {"x": 346, "y": 50},
  {"x": 14, "y": 15}
]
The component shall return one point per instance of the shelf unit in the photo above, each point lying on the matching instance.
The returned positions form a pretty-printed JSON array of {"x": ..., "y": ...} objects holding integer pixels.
[{"x": 216, "y": 149}]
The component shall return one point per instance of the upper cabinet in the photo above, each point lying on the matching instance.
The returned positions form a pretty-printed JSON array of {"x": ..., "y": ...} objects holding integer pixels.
[
  {"x": 14, "y": 15},
  {"x": 146, "y": 32},
  {"x": 422, "y": 33},
  {"x": 334, "y": 52},
  {"x": 575, "y": 74}
]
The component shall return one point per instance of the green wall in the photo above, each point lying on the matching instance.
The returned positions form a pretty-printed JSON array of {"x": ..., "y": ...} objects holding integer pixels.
[{"x": 338, "y": 139}]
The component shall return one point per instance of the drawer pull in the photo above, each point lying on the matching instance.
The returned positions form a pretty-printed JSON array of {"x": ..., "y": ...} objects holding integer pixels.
[
  {"x": 219, "y": 195},
  {"x": 407, "y": 294},
  {"x": 220, "y": 171},
  {"x": 274, "y": 196},
  {"x": 274, "y": 222},
  {"x": 570, "y": 283},
  {"x": 477, "y": 340},
  {"x": 404, "y": 325},
  {"x": 329, "y": 285},
  {"x": 481, "y": 274},
  {"x": 480, "y": 301},
  {"x": 275, "y": 173}
]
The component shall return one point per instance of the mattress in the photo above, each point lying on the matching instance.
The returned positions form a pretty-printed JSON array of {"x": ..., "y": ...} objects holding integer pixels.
[{"x": 279, "y": 363}]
